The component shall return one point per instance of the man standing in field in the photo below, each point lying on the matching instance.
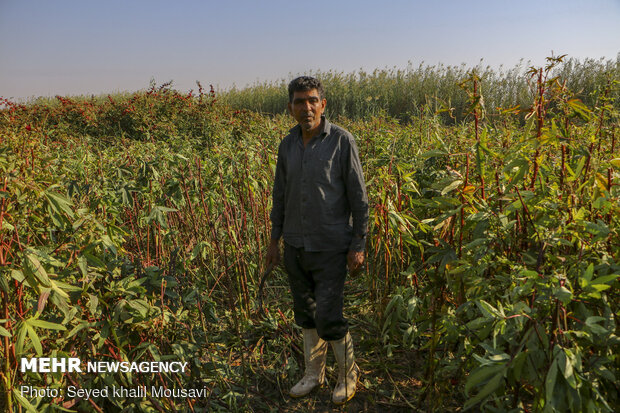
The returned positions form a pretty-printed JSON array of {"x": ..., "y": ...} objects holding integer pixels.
[{"x": 320, "y": 208}]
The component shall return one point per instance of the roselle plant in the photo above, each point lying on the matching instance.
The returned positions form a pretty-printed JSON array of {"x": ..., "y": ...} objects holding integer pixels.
[{"x": 132, "y": 227}]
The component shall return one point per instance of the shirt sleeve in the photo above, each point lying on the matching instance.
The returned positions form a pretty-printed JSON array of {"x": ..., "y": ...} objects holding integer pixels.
[
  {"x": 279, "y": 184},
  {"x": 356, "y": 195}
]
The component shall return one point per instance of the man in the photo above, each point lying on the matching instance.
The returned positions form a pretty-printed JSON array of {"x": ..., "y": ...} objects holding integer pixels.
[{"x": 320, "y": 207}]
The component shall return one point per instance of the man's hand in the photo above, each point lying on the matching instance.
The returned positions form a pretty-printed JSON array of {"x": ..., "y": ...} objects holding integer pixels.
[
  {"x": 273, "y": 253},
  {"x": 355, "y": 259}
]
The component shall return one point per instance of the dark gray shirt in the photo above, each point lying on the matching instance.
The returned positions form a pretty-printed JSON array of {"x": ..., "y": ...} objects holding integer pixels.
[{"x": 319, "y": 195}]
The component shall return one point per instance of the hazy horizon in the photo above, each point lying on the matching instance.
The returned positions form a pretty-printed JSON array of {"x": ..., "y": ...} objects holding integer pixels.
[{"x": 84, "y": 48}]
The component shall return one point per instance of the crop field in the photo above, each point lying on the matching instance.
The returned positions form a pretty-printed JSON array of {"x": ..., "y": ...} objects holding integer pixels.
[{"x": 133, "y": 227}]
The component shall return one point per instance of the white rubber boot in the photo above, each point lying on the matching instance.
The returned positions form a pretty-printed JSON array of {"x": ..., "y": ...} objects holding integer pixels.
[
  {"x": 348, "y": 372},
  {"x": 315, "y": 353}
]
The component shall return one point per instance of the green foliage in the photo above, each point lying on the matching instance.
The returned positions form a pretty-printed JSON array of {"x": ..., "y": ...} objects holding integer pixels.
[
  {"x": 410, "y": 93},
  {"x": 132, "y": 228}
]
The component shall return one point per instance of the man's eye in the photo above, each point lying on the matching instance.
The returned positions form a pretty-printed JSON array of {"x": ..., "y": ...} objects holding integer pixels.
[{"x": 313, "y": 101}]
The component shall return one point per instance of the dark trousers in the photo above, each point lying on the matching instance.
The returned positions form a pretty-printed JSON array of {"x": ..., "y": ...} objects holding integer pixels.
[{"x": 317, "y": 284}]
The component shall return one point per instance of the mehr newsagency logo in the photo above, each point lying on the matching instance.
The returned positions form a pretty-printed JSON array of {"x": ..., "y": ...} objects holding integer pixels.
[{"x": 74, "y": 365}]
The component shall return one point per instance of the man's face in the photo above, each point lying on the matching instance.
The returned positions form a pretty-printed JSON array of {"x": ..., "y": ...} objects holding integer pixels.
[{"x": 307, "y": 108}]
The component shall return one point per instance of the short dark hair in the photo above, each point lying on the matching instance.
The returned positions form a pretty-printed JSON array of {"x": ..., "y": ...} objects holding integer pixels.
[{"x": 304, "y": 83}]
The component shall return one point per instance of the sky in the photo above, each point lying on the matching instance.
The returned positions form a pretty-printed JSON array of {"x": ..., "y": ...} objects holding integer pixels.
[{"x": 84, "y": 47}]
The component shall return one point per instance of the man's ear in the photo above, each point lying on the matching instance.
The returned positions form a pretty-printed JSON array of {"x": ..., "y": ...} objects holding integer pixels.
[{"x": 290, "y": 108}]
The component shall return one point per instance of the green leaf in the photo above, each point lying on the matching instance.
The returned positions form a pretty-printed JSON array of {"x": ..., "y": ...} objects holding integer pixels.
[
  {"x": 517, "y": 364},
  {"x": 59, "y": 203},
  {"x": 596, "y": 288},
  {"x": 34, "y": 270},
  {"x": 58, "y": 290},
  {"x": 587, "y": 275},
  {"x": 499, "y": 357},
  {"x": 433, "y": 153},
  {"x": 4, "y": 332},
  {"x": 46, "y": 324},
  {"x": 451, "y": 187},
  {"x": 478, "y": 323},
  {"x": 94, "y": 260},
  {"x": 106, "y": 241},
  {"x": 579, "y": 168},
  {"x": 77, "y": 224},
  {"x": 21, "y": 338},
  {"x": 563, "y": 294},
  {"x": 23, "y": 401},
  {"x": 488, "y": 310},
  {"x": 492, "y": 385},
  {"x": 141, "y": 306},
  {"x": 599, "y": 229},
  {"x": 158, "y": 214},
  {"x": 604, "y": 372},
  {"x": 475, "y": 243},
  {"x": 524, "y": 166},
  {"x": 550, "y": 380},
  {"x": 78, "y": 327},
  {"x": 93, "y": 301},
  {"x": 566, "y": 361},
  {"x": 605, "y": 279},
  {"x": 46, "y": 258},
  {"x": 36, "y": 341},
  {"x": 579, "y": 109},
  {"x": 83, "y": 265},
  {"x": 4, "y": 284},
  {"x": 592, "y": 321},
  {"x": 481, "y": 375},
  {"x": 397, "y": 300}
]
